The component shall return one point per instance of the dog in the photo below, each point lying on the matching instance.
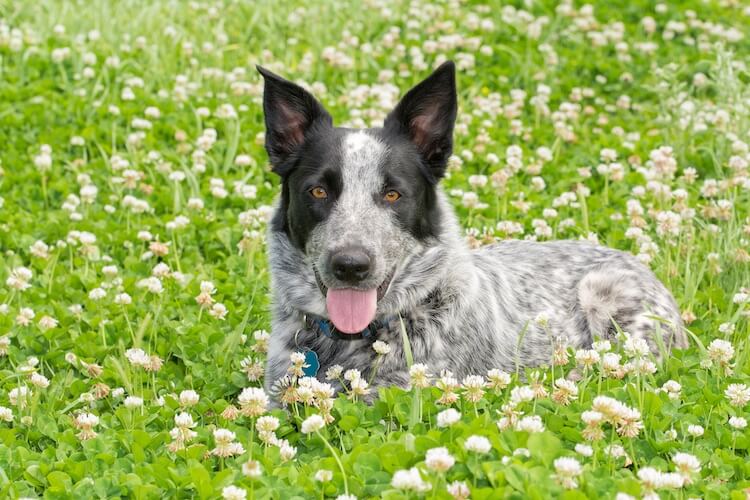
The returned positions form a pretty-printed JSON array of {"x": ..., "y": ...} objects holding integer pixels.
[{"x": 363, "y": 242}]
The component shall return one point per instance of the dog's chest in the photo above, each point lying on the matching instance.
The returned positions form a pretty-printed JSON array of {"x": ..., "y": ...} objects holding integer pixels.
[{"x": 359, "y": 354}]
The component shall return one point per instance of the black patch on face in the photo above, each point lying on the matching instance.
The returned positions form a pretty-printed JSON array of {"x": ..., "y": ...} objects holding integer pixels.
[
  {"x": 317, "y": 164},
  {"x": 404, "y": 170}
]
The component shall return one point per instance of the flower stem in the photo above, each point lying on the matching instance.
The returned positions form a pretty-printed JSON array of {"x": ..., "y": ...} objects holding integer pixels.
[{"x": 338, "y": 460}]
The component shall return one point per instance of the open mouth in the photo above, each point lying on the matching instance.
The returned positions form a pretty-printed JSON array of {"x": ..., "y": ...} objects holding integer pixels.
[
  {"x": 351, "y": 310},
  {"x": 381, "y": 290}
]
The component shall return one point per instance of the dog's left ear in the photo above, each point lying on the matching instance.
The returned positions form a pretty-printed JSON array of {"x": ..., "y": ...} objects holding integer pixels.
[
  {"x": 291, "y": 113},
  {"x": 426, "y": 114}
]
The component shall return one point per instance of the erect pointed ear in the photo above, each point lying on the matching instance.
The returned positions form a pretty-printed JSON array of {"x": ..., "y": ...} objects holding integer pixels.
[
  {"x": 291, "y": 113},
  {"x": 426, "y": 115}
]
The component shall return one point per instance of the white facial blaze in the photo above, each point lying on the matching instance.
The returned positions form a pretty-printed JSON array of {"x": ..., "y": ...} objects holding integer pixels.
[{"x": 357, "y": 218}]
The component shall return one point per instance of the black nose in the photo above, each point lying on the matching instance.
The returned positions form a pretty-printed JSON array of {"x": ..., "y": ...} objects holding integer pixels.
[{"x": 350, "y": 265}]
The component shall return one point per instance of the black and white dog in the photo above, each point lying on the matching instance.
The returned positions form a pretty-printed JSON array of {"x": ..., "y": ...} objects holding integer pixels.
[{"x": 363, "y": 235}]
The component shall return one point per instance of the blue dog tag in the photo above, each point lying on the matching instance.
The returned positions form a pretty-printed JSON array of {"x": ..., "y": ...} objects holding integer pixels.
[{"x": 311, "y": 360}]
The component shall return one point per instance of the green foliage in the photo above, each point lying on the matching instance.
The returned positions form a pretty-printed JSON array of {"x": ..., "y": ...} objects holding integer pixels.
[{"x": 156, "y": 104}]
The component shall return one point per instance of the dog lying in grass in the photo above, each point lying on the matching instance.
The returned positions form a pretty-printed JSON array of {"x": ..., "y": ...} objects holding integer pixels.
[{"x": 364, "y": 244}]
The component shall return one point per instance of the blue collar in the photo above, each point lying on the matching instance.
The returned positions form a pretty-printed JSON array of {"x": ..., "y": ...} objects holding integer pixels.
[{"x": 323, "y": 326}]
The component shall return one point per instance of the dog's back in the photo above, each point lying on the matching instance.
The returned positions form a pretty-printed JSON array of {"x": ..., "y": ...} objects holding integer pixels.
[{"x": 577, "y": 291}]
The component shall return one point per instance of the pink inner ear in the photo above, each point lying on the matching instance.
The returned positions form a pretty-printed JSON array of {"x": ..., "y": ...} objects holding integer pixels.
[
  {"x": 293, "y": 128},
  {"x": 420, "y": 130}
]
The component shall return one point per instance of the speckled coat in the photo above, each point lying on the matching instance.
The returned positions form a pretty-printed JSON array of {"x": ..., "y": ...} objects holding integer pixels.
[{"x": 467, "y": 311}]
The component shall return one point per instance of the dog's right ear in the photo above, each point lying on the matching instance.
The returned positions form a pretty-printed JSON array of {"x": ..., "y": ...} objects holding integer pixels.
[{"x": 291, "y": 113}]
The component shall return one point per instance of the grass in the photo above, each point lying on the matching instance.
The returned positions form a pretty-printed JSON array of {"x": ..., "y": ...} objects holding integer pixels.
[{"x": 132, "y": 163}]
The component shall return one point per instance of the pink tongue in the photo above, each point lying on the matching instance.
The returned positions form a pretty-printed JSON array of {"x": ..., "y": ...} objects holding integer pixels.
[{"x": 351, "y": 310}]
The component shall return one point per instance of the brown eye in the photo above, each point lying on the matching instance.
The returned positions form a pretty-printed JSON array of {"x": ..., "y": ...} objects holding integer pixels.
[
  {"x": 392, "y": 196},
  {"x": 319, "y": 193}
]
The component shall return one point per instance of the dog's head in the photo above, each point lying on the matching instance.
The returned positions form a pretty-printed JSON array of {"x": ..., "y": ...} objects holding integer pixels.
[{"x": 357, "y": 203}]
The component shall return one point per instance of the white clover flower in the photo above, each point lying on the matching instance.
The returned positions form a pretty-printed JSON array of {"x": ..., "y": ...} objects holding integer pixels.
[
  {"x": 267, "y": 424},
  {"x": 6, "y": 414},
  {"x": 287, "y": 451},
  {"x": 137, "y": 357},
  {"x": 419, "y": 375},
  {"x": 323, "y": 475},
  {"x": 474, "y": 387},
  {"x": 636, "y": 347},
  {"x": 410, "y": 480},
  {"x": 358, "y": 387},
  {"x": 123, "y": 299},
  {"x": 184, "y": 420},
  {"x": 313, "y": 423},
  {"x": 520, "y": 394},
  {"x": 38, "y": 248},
  {"x": 19, "y": 278},
  {"x": 650, "y": 478},
  {"x": 252, "y": 468},
  {"x": 4, "y": 345},
  {"x": 565, "y": 391},
  {"x": 207, "y": 287},
  {"x": 498, "y": 379},
  {"x": 86, "y": 422},
  {"x": 253, "y": 401},
  {"x": 218, "y": 311},
  {"x": 566, "y": 470},
  {"x": 439, "y": 459},
  {"x": 195, "y": 204},
  {"x": 132, "y": 402},
  {"x": 225, "y": 445},
  {"x": 39, "y": 380},
  {"x": 672, "y": 388},
  {"x": 334, "y": 372},
  {"x": 737, "y": 394},
  {"x": 47, "y": 323},
  {"x": 243, "y": 160},
  {"x": 720, "y": 351},
  {"x": 584, "y": 449},
  {"x": 459, "y": 490},
  {"x": 188, "y": 398},
  {"x": 160, "y": 270},
  {"x": 448, "y": 417},
  {"x": 477, "y": 444},
  {"x": 530, "y": 424},
  {"x": 233, "y": 493},
  {"x": 687, "y": 465},
  {"x": 19, "y": 396},
  {"x": 152, "y": 284},
  {"x": 380, "y": 347},
  {"x": 695, "y": 430},
  {"x": 737, "y": 423},
  {"x": 672, "y": 480},
  {"x": 602, "y": 346},
  {"x": 592, "y": 417}
]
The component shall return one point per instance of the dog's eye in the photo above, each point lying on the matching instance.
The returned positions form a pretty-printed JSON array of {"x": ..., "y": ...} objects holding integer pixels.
[
  {"x": 319, "y": 193},
  {"x": 391, "y": 196}
]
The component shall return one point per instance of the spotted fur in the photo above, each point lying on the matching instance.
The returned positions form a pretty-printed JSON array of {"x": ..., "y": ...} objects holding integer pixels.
[{"x": 466, "y": 311}]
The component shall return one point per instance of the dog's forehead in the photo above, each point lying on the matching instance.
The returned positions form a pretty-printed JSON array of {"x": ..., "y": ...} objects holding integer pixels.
[{"x": 362, "y": 158}]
